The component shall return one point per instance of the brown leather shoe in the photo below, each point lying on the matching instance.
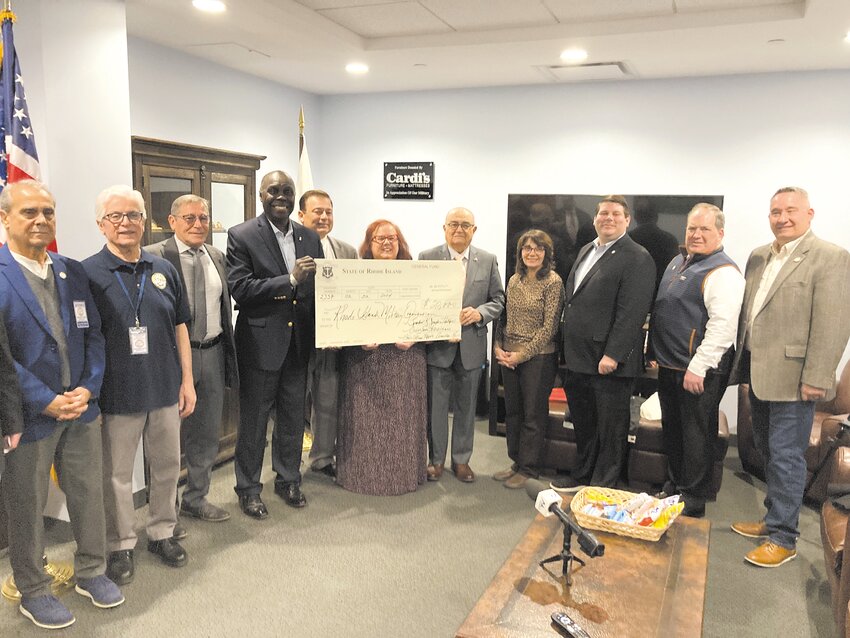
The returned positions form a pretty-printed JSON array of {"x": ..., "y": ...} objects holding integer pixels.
[
  {"x": 770, "y": 554},
  {"x": 750, "y": 529},
  {"x": 504, "y": 475},
  {"x": 435, "y": 471},
  {"x": 516, "y": 481},
  {"x": 463, "y": 472}
]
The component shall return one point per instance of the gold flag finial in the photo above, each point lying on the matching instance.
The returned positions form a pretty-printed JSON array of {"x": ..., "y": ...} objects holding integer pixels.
[
  {"x": 301, "y": 120},
  {"x": 6, "y": 13}
]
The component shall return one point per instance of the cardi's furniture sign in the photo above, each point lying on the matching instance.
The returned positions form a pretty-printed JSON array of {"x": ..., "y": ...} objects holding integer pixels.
[{"x": 408, "y": 180}]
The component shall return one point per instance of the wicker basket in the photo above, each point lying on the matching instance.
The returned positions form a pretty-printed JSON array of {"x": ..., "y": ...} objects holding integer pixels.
[{"x": 603, "y": 524}]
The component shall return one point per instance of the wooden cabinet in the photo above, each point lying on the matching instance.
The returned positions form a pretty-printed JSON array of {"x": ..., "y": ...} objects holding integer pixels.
[{"x": 162, "y": 172}]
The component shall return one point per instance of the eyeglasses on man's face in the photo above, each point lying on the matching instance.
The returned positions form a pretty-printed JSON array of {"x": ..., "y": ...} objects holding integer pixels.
[
  {"x": 385, "y": 239},
  {"x": 133, "y": 216},
  {"x": 191, "y": 219},
  {"x": 463, "y": 225}
]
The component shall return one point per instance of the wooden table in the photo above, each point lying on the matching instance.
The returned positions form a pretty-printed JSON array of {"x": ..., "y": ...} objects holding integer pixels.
[{"x": 638, "y": 588}]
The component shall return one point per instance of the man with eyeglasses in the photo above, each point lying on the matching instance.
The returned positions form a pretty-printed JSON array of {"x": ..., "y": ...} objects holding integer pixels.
[
  {"x": 316, "y": 211},
  {"x": 271, "y": 269},
  {"x": 201, "y": 268},
  {"x": 609, "y": 293},
  {"x": 148, "y": 385},
  {"x": 454, "y": 368},
  {"x": 56, "y": 345}
]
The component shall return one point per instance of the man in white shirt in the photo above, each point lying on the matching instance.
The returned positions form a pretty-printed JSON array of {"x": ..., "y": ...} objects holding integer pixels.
[
  {"x": 316, "y": 211},
  {"x": 791, "y": 334},
  {"x": 693, "y": 328},
  {"x": 202, "y": 270}
]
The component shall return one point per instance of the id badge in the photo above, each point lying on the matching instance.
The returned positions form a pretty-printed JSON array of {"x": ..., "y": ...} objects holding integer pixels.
[
  {"x": 139, "y": 340},
  {"x": 80, "y": 314}
]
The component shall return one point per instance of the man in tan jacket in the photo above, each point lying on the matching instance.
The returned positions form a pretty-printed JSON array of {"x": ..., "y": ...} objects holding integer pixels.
[{"x": 792, "y": 332}]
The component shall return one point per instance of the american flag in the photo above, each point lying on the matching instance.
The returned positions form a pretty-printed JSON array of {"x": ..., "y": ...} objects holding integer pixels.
[{"x": 18, "y": 157}]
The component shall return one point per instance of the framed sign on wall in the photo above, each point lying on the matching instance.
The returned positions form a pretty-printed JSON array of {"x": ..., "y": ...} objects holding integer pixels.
[{"x": 409, "y": 180}]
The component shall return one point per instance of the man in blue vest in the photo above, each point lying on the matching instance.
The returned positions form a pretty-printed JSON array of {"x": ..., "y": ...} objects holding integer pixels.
[{"x": 694, "y": 323}]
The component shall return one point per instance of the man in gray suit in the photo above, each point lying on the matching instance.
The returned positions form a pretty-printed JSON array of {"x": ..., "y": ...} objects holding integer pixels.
[
  {"x": 316, "y": 211},
  {"x": 202, "y": 271},
  {"x": 792, "y": 332},
  {"x": 455, "y": 368}
]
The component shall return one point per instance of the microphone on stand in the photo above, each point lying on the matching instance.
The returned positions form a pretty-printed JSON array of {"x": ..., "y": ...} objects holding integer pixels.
[{"x": 548, "y": 502}]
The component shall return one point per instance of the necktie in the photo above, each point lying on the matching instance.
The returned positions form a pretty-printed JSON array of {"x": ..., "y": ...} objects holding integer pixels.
[{"x": 199, "y": 293}]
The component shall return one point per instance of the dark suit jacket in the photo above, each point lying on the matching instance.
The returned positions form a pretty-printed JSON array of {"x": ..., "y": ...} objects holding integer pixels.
[
  {"x": 605, "y": 316},
  {"x": 272, "y": 314},
  {"x": 167, "y": 249},
  {"x": 11, "y": 419},
  {"x": 33, "y": 347}
]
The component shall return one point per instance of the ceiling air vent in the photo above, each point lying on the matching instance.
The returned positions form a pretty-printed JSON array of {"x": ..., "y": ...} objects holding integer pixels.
[{"x": 585, "y": 72}]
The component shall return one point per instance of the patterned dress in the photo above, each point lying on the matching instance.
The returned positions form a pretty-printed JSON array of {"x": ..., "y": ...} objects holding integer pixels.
[{"x": 382, "y": 444}]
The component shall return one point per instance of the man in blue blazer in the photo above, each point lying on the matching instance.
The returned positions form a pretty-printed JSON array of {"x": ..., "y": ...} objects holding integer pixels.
[
  {"x": 271, "y": 270},
  {"x": 454, "y": 369},
  {"x": 58, "y": 350}
]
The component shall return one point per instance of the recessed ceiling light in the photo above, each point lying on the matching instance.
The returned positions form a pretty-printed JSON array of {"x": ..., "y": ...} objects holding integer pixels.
[
  {"x": 847, "y": 37},
  {"x": 573, "y": 55},
  {"x": 357, "y": 68},
  {"x": 776, "y": 41},
  {"x": 210, "y": 6}
]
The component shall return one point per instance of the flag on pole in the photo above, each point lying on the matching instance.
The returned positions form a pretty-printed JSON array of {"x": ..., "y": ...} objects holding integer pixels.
[
  {"x": 305, "y": 175},
  {"x": 18, "y": 157}
]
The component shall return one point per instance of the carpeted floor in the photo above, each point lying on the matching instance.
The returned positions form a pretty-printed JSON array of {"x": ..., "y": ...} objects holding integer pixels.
[{"x": 412, "y": 566}]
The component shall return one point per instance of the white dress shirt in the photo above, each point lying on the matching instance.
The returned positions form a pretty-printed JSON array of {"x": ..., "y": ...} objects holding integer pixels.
[{"x": 213, "y": 290}]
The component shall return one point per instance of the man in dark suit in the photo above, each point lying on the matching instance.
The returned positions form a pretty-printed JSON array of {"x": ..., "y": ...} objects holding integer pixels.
[
  {"x": 202, "y": 271},
  {"x": 316, "y": 212},
  {"x": 609, "y": 293},
  {"x": 271, "y": 269},
  {"x": 455, "y": 368},
  {"x": 58, "y": 351}
]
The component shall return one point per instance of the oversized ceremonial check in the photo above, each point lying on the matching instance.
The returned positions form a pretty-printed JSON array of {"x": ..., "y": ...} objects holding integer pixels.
[{"x": 361, "y": 301}]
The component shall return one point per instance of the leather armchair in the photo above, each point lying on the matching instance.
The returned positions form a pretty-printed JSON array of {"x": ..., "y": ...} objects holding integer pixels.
[
  {"x": 825, "y": 428},
  {"x": 834, "y": 531}
]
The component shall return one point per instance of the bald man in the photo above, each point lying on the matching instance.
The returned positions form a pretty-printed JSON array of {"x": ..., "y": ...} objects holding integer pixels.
[{"x": 454, "y": 368}]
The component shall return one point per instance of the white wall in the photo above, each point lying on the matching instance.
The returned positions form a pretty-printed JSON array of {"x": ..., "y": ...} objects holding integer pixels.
[
  {"x": 73, "y": 56},
  {"x": 180, "y": 98}
]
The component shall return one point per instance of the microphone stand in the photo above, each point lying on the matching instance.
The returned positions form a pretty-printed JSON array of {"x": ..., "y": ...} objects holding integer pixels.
[{"x": 566, "y": 556}]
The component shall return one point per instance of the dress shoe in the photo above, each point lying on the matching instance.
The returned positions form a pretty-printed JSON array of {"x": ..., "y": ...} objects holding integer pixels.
[
  {"x": 504, "y": 475},
  {"x": 252, "y": 505},
  {"x": 694, "y": 511},
  {"x": 291, "y": 494},
  {"x": 750, "y": 530},
  {"x": 327, "y": 470},
  {"x": 769, "y": 554},
  {"x": 179, "y": 532},
  {"x": 206, "y": 511},
  {"x": 517, "y": 481},
  {"x": 169, "y": 551},
  {"x": 119, "y": 566},
  {"x": 566, "y": 484},
  {"x": 435, "y": 471},
  {"x": 463, "y": 472}
]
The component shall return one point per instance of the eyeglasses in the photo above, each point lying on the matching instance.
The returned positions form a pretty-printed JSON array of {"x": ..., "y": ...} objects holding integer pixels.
[
  {"x": 533, "y": 249},
  {"x": 134, "y": 217},
  {"x": 455, "y": 225},
  {"x": 191, "y": 219},
  {"x": 33, "y": 213},
  {"x": 385, "y": 239}
]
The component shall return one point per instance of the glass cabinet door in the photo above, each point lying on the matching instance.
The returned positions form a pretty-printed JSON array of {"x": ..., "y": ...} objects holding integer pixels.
[{"x": 162, "y": 186}]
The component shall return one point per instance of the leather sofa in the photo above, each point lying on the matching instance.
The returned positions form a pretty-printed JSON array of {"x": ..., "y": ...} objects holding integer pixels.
[
  {"x": 646, "y": 467},
  {"x": 834, "y": 531},
  {"x": 825, "y": 428}
]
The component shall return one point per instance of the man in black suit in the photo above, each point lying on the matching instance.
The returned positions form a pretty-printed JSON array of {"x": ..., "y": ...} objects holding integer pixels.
[
  {"x": 609, "y": 293},
  {"x": 271, "y": 269},
  {"x": 202, "y": 271}
]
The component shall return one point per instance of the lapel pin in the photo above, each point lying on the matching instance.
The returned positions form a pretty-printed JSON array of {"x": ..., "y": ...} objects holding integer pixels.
[
  {"x": 62, "y": 275},
  {"x": 798, "y": 259}
]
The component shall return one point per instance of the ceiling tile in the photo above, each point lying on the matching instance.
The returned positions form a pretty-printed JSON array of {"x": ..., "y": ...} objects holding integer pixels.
[
  {"x": 570, "y": 11},
  {"x": 475, "y": 15},
  {"x": 387, "y": 20},
  {"x": 723, "y": 5}
]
